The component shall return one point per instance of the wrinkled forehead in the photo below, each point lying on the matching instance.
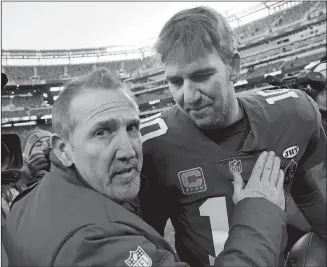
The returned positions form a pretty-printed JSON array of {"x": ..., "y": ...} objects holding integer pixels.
[{"x": 103, "y": 104}]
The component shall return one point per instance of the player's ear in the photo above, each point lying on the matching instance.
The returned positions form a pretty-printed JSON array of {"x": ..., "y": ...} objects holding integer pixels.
[
  {"x": 61, "y": 150},
  {"x": 235, "y": 67}
]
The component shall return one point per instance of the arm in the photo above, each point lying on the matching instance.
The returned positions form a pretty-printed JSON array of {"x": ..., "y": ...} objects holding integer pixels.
[
  {"x": 250, "y": 243},
  {"x": 307, "y": 189},
  {"x": 112, "y": 244},
  {"x": 257, "y": 229}
]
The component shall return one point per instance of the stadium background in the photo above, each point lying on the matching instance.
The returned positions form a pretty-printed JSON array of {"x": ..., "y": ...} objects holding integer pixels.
[{"x": 282, "y": 44}]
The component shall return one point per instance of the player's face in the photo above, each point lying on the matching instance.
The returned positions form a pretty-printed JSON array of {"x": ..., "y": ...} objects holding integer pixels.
[
  {"x": 106, "y": 146},
  {"x": 201, "y": 88}
]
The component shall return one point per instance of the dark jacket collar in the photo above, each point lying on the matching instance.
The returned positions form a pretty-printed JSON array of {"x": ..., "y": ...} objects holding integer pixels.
[{"x": 71, "y": 176}]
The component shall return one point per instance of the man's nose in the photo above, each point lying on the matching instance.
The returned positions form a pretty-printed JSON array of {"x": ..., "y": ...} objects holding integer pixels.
[
  {"x": 191, "y": 94},
  {"x": 44, "y": 146},
  {"x": 124, "y": 146}
]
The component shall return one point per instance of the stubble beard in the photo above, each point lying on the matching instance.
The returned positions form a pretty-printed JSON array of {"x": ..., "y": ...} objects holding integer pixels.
[{"x": 125, "y": 192}]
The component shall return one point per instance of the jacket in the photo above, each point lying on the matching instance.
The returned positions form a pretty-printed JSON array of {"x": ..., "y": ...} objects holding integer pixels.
[{"x": 63, "y": 222}]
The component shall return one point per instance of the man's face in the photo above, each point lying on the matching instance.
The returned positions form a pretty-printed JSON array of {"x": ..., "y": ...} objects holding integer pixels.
[
  {"x": 106, "y": 146},
  {"x": 201, "y": 88},
  {"x": 41, "y": 145}
]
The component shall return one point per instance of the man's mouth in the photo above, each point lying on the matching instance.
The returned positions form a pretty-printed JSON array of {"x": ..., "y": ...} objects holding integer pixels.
[
  {"x": 124, "y": 171},
  {"x": 198, "y": 110},
  {"x": 125, "y": 174}
]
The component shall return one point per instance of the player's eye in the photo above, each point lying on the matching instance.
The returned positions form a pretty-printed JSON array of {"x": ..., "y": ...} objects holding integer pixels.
[
  {"x": 176, "y": 82},
  {"x": 201, "y": 77}
]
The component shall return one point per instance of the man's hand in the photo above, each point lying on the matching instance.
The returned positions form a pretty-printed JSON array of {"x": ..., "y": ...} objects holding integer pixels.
[
  {"x": 267, "y": 180},
  {"x": 37, "y": 162}
]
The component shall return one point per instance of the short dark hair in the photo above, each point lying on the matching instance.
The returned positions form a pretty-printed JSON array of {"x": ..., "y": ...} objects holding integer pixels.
[
  {"x": 100, "y": 79},
  {"x": 197, "y": 31}
]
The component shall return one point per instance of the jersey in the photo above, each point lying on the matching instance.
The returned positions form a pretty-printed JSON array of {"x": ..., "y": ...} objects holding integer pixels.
[{"x": 189, "y": 177}]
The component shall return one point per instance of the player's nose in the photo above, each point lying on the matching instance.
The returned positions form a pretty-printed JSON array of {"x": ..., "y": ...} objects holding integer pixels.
[{"x": 191, "y": 93}]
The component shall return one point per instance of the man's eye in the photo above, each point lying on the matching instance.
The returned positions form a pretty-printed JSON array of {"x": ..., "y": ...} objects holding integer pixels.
[
  {"x": 133, "y": 127},
  {"x": 102, "y": 132},
  {"x": 177, "y": 82},
  {"x": 201, "y": 77}
]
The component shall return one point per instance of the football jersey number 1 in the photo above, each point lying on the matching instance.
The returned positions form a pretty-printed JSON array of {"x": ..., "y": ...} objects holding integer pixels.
[{"x": 215, "y": 208}]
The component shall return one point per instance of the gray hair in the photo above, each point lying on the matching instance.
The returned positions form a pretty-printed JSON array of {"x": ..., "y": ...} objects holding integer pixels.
[{"x": 101, "y": 79}]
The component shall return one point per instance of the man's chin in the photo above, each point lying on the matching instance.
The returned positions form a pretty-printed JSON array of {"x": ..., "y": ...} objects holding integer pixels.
[
  {"x": 126, "y": 191},
  {"x": 203, "y": 122}
]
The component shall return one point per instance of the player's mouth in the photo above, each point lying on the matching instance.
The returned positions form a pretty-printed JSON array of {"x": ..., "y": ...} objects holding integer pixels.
[{"x": 199, "y": 111}]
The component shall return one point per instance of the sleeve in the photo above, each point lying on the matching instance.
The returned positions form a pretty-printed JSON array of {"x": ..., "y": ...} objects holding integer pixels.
[
  {"x": 257, "y": 235},
  {"x": 110, "y": 245},
  {"x": 307, "y": 187}
]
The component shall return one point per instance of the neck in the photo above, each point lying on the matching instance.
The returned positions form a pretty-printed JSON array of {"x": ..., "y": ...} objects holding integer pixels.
[{"x": 235, "y": 112}]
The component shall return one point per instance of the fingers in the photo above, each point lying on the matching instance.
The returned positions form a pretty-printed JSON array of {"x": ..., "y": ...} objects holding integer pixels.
[
  {"x": 37, "y": 159},
  {"x": 238, "y": 187},
  {"x": 280, "y": 182},
  {"x": 35, "y": 154},
  {"x": 265, "y": 177},
  {"x": 37, "y": 162},
  {"x": 42, "y": 166},
  {"x": 258, "y": 168},
  {"x": 238, "y": 183},
  {"x": 275, "y": 172}
]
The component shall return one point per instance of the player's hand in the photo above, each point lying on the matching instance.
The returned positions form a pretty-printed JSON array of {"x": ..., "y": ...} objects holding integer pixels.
[
  {"x": 37, "y": 162},
  {"x": 267, "y": 180}
]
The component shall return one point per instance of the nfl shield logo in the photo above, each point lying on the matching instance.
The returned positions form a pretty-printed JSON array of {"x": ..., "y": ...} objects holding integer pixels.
[
  {"x": 138, "y": 258},
  {"x": 235, "y": 166}
]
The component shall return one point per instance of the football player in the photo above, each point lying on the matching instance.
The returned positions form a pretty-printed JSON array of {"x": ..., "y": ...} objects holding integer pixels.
[{"x": 192, "y": 149}]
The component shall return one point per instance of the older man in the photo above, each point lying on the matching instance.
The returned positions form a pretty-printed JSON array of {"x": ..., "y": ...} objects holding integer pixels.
[{"x": 83, "y": 212}]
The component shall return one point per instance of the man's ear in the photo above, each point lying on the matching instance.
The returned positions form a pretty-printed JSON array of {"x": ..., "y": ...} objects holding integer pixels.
[
  {"x": 235, "y": 68},
  {"x": 61, "y": 150}
]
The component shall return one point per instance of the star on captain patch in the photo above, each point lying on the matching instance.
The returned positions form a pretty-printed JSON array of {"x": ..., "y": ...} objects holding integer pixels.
[
  {"x": 235, "y": 166},
  {"x": 138, "y": 258}
]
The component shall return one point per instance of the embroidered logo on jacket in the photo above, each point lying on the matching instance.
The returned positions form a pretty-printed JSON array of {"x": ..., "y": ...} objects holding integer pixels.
[
  {"x": 291, "y": 152},
  {"x": 235, "y": 166},
  {"x": 138, "y": 258},
  {"x": 192, "y": 181}
]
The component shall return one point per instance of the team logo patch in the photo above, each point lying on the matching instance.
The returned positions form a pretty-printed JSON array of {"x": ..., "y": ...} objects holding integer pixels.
[
  {"x": 192, "y": 181},
  {"x": 138, "y": 258},
  {"x": 290, "y": 171},
  {"x": 291, "y": 152},
  {"x": 235, "y": 166}
]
